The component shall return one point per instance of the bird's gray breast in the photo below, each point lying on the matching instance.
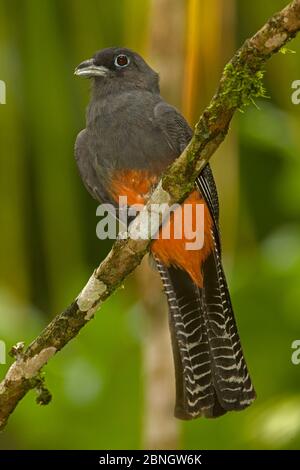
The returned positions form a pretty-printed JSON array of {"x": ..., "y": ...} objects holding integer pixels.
[{"x": 123, "y": 133}]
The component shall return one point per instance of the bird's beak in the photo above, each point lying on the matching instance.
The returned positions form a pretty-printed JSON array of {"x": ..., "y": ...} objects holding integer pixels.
[{"x": 89, "y": 69}]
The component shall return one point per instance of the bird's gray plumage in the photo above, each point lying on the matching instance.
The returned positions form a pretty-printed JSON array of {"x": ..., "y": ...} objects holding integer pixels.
[{"x": 129, "y": 126}]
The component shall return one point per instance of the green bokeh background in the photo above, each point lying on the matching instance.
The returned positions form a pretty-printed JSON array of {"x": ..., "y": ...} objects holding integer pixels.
[{"x": 48, "y": 245}]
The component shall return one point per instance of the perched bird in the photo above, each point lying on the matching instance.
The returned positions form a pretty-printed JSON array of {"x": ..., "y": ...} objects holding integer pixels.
[{"x": 131, "y": 136}]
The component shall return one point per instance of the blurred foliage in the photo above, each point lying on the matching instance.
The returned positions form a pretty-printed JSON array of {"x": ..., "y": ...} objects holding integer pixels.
[{"x": 48, "y": 244}]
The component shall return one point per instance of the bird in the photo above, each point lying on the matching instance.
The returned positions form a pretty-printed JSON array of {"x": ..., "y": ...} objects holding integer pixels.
[{"x": 131, "y": 136}]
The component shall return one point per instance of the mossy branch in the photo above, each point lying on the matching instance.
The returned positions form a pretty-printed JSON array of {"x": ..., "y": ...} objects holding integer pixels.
[{"x": 241, "y": 84}]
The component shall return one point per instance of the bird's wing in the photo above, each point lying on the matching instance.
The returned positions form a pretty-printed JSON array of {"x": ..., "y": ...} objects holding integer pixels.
[
  {"x": 173, "y": 125},
  {"x": 178, "y": 133},
  {"x": 86, "y": 169}
]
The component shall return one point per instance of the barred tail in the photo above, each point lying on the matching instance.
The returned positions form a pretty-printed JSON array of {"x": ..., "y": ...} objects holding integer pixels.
[{"x": 210, "y": 370}]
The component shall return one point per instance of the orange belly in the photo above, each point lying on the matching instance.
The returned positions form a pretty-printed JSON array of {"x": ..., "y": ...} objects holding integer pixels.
[{"x": 136, "y": 185}]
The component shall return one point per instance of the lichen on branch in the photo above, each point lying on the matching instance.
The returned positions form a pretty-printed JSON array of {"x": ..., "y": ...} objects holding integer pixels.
[{"x": 242, "y": 87}]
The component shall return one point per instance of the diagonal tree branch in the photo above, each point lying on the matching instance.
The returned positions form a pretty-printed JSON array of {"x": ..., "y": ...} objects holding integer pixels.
[{"x": 240, "y": 84}]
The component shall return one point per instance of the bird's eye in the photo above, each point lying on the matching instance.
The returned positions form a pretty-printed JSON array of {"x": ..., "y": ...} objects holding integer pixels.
[{"x": 121, "y": 60}]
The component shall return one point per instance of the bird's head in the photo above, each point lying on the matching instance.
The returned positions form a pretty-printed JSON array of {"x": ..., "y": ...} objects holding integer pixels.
[{"x": 119, "y": 67}]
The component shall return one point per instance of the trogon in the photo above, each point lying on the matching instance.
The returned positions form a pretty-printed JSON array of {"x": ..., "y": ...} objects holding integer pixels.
[{"x": 131, "y": 137}]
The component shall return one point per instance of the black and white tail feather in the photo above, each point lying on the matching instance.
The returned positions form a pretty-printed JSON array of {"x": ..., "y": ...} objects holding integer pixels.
[{"x": 210, "y": 370}]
